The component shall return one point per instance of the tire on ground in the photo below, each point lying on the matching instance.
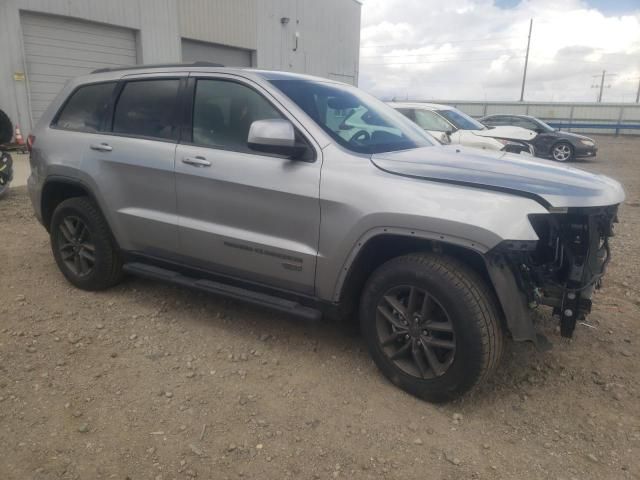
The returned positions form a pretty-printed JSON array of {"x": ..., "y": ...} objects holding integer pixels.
[
  {"x": 107, "y": 269},
  {"x": 471, "y": 307}
]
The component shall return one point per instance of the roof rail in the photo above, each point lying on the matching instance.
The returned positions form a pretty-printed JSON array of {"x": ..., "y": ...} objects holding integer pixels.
[{"x": 166, "y": 65}]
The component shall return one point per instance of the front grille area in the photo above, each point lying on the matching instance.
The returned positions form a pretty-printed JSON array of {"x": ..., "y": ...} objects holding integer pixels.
[{"x": 568, "y": 262}]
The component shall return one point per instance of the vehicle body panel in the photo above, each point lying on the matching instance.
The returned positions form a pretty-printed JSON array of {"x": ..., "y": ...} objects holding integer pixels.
[
  {"x": 557, "y": 185},
  {"x": 360, "y": 201},
  {"x": 136, "y": 182},
  {"x": 240, "y": 215}
]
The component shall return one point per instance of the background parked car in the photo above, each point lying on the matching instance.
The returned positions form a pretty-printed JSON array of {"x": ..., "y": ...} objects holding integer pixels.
[
  {"x": 450, "y": 125},
  {"x": 550, "y": 142}
]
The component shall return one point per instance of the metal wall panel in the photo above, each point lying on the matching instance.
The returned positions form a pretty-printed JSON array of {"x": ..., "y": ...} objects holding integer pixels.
[
  {"x": 226, "y": 22},
  {"x": 193, "y": 51},
  {"x": 327, "y": 44},
  {"x": 307, "y": 36},
  {"x": 122, "y": 13},
  {"x": 59, "y": 48},
  {"x": 615, "y": 114}
]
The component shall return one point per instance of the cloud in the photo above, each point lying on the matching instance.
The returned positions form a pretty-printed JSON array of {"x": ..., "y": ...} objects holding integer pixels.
[{"x": 473, "y": 49}]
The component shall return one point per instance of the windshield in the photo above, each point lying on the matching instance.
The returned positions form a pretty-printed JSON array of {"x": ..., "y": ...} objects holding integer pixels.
[
  {"x": 354, "y": 119},
  {"x": 461, "y": 120}
]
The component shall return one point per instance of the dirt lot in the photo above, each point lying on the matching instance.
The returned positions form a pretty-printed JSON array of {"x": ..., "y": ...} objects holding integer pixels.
[{"x": 149, "y": 381}]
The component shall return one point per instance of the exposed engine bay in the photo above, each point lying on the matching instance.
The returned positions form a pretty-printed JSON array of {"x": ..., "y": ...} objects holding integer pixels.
[{"x": 564, "y": 267}]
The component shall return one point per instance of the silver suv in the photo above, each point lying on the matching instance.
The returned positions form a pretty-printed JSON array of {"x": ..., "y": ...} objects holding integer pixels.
[{"x": 254, "y": 185}]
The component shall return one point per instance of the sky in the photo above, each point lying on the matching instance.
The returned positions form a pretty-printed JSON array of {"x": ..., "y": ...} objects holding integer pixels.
[{"x": 475, "y": 49}]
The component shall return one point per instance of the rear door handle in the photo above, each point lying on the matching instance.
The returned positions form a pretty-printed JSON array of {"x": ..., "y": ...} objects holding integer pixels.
[
  {"x": 196, "y": 161},
  {"x": 101, "y": 147}
]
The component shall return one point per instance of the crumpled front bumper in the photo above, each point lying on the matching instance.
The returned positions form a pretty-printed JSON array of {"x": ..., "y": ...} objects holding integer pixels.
[{"x": 562, "y": 269}]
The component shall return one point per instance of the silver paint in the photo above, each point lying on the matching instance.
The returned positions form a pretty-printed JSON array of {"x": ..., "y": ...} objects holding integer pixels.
[{"x": 294, "y": 224}]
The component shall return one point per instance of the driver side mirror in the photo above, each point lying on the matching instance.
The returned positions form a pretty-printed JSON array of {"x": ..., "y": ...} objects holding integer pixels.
[{"x": 275, "y": 136}]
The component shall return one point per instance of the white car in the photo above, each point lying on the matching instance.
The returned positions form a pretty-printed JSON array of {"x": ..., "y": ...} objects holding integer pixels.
[{"x": 451, "y": 126}]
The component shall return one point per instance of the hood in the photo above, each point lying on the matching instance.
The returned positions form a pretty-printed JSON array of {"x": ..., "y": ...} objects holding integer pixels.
[
  {"x": 509, "y": 133},
  {"x": 550, "y": 184}
]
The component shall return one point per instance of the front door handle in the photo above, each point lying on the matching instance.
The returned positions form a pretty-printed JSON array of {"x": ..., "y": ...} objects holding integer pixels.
[
  {"x": 196, "y": 161},
  {"x": 101, "y": 147}
]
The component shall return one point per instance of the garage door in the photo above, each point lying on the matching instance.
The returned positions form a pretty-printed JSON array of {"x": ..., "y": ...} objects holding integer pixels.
[
  {"x": 193, "y": 51},
  {"x": 59, "y": 48}
]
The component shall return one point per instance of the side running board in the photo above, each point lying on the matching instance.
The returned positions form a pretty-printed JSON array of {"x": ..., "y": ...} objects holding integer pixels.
[{"x": 217, "y": 288}]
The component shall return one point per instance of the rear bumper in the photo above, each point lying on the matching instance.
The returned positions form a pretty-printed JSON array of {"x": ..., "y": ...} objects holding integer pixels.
[{"x": 35, "y": 195}]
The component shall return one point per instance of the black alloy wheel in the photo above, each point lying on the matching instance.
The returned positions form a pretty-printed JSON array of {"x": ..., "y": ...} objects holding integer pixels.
[
  {"x": 75, "y": 245},
  {"x": 415, "y": 332}
]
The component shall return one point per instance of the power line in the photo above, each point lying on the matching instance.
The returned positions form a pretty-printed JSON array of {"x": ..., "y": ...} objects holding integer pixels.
[
  {"x": 442, "y": 61},
  {"x": 429, "y": 44},
  {"x": 396, "y": 55}
]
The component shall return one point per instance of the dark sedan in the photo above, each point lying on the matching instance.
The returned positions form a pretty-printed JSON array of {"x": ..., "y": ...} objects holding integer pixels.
[{"x": 549, "y": 143}]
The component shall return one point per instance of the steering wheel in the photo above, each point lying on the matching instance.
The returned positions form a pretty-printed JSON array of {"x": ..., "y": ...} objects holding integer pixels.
[{"x": 360, "y": 136}]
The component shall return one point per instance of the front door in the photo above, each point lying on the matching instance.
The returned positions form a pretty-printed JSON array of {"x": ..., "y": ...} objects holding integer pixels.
[{"x": 243, "y": 213}]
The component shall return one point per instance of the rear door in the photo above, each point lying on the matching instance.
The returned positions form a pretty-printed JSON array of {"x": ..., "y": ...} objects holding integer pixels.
[
  {"x": 133, "y": 163},
  {"x": 244, "y": 213}
]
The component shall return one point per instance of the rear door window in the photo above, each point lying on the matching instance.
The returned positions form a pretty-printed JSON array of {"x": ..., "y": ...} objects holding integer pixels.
[
  {"x": 431, "y": 121},
  {"x": 86, "y": 109},
  {"x": 148, "y": 108},
  {"x": 408, "y": 112},
  {"x": 524, "y": 123},
  {"x": 495, "y": 121}
]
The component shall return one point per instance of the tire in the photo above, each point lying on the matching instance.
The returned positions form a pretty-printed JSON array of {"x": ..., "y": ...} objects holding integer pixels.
[
  {"x": 562, "y": 152},
  {"x": 4, "y": 189},
  {"x": 94, "y": 245},
  {"x": 461, "y": 310},
  {"x": 6, "y": 129}
]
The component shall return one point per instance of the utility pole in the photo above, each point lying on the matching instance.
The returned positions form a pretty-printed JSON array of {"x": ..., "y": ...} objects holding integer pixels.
[
  {"x": 601, "y": 86},
  {"x": 526, "y": 62},
  {"x": 638, "y": 93}
]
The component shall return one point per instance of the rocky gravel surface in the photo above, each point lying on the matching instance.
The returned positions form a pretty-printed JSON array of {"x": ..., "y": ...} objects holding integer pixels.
[{"x": 149, "y": 381}]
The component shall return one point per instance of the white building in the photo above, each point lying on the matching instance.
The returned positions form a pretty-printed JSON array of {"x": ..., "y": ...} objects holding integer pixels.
[{"x": 45, "y": 42}]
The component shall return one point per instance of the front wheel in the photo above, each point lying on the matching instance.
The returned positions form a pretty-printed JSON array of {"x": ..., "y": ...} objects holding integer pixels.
[
  {"x": 562, "y": 152},
  {"x": 431, "y": 325}
]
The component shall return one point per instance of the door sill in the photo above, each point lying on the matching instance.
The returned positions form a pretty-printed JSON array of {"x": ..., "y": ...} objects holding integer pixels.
[{"x": 249, "y": 296}]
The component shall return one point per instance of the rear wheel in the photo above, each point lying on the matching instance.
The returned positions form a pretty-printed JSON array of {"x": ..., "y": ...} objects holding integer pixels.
[
  {"x": 562, "y": 152},
  {"x": 431, "y": 326},
  {"x": 83, "y": 246}
]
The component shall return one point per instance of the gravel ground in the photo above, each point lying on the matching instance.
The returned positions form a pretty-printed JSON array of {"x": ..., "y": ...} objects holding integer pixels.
[{"x": 149, "y": 381}]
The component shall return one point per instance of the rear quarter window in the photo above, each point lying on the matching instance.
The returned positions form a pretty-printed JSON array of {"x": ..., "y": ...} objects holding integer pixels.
[{"x": 86, "y": 108}]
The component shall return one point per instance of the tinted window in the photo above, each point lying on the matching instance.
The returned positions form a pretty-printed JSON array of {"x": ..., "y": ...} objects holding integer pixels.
[
  {"x": 352, "y": 118},
  {"x": 224, "y": 111},
  {"x": 86, "y": 109},
  {"x": 524, "y": 123},
  {"x": 407, "y": 112},
  {"x": 495, "y": 121},
  {"x": 147, "y": 108}
]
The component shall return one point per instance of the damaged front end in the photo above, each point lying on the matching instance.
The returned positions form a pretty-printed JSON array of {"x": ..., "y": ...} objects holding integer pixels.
[{"x": 561, "y": 269}]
